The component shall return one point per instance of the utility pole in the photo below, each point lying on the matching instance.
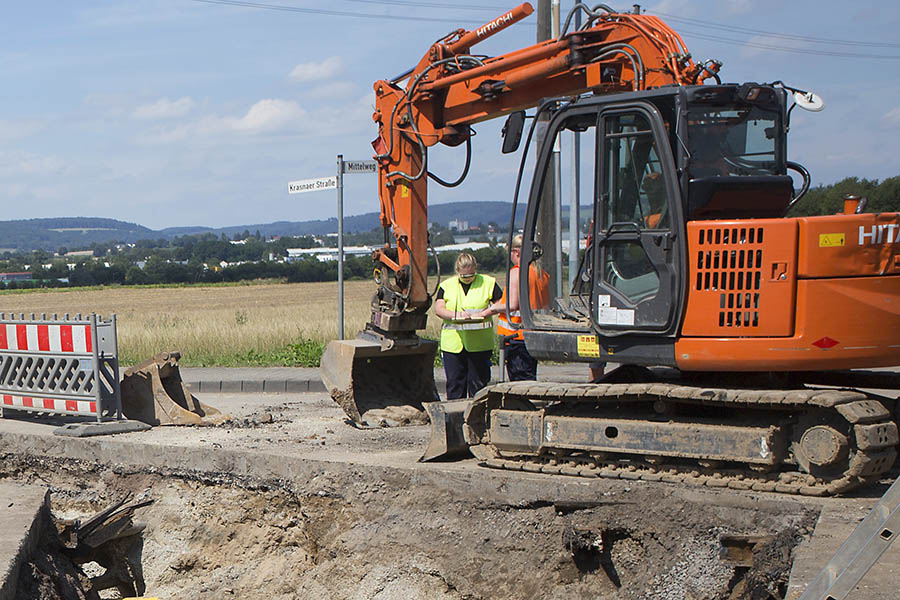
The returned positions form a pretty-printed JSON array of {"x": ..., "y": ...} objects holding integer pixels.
[
  {"x": 575, "y": 201},
  {"x": 557, "y": 174},
  {"x": 546, "y": 228},
  {"x": 340, "y": 212}
]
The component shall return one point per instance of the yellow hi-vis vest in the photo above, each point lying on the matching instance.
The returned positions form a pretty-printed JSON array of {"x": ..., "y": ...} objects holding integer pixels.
[{"x": 473, "y": 336}]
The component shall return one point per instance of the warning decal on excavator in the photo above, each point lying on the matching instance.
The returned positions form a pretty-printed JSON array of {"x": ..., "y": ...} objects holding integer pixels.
[
  {"x": 831, "y": 240},
  {"x": 587, "y": 346}
]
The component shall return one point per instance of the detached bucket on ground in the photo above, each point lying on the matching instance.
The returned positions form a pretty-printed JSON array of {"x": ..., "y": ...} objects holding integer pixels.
[
  {"x": 380, "y": 387},
  {"x": 153, "y": 392},
  {"x": 447, "y": 421}
]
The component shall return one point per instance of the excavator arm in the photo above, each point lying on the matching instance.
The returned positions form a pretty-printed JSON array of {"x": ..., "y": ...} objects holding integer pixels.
[{"x": 451, "y": 89}]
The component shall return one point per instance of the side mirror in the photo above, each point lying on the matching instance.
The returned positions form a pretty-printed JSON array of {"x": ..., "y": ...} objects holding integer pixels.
[{"x": 512, "y": 131}]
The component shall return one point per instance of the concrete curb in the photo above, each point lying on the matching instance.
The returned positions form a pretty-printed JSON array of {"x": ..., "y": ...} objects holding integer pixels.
[
  {"x": 280, "y": 380},
  {"x": 255, "y": 386}
]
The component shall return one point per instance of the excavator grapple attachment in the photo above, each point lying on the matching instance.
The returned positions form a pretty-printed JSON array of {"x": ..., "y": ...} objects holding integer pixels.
[
  {"x": 447, "y": 419},
  {"x": 378, "y": 386},
  {"x": 153, "y": 392}
]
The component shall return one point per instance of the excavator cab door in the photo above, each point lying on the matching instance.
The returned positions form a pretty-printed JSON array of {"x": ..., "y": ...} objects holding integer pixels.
[
  {"x": 637, "y": 223},
  {"x": 624, "y": 202}
]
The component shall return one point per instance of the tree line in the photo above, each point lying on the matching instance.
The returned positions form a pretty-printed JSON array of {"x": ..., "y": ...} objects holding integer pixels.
[
  {"x": 198, "y": 258},
  {"x": 158, "y": 269}
]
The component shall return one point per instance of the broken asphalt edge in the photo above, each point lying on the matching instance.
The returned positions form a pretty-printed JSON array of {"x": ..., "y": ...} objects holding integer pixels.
[{"x": 25, "y": 510}]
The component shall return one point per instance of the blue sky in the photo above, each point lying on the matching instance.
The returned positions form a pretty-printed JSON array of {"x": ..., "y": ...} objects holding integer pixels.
[{"x": 184, "y": 112}]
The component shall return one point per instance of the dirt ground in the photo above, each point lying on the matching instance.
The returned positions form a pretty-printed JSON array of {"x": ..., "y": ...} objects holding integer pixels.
[
  {"x": 207, "y": 540},
  {"x": 367, "y": 537}
]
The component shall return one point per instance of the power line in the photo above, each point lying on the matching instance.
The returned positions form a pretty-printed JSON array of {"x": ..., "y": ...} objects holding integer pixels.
[
  {"x": 697, "y": 34},
  {"x": 811, "y": 51},
  {"x": 772, "y": 34},
  {"x": 497, "y": 9},
  {"x": 339, "y": 13}
]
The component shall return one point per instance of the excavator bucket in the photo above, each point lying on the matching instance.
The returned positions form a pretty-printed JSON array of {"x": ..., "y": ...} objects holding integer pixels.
[
  {"x": 153, "y": 392},
  {"x": 447, "y": 419},
  {"x": 380, "y": 387}
]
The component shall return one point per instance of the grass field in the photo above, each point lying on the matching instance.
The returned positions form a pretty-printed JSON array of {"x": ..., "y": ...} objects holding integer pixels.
[{"x": 234, "y": 325}]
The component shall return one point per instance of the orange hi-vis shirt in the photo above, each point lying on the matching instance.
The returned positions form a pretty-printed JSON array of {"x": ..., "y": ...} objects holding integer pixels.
[{"x": 538, "y": 297}]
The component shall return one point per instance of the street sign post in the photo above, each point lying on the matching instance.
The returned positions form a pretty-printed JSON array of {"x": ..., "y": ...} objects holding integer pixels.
[
  {"x": 318, "y": 184},
  {"x": 360, "y": 166},
  {"x": 336, "y": 182}
]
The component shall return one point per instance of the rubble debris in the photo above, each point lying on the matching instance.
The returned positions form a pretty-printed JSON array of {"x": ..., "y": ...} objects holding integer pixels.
[{"x": 109, "y": 538}]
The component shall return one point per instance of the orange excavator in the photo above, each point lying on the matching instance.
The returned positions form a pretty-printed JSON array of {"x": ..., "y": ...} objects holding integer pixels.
[{"x": 738, "y": 328}]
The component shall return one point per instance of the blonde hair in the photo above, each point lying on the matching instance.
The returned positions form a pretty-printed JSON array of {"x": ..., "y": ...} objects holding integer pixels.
[
  {"x": 516, "y": 244},
  {"x": 465, "y": 259}
]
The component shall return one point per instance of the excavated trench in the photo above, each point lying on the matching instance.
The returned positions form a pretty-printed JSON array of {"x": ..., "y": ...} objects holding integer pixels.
[{"x": 215, "y": 535}]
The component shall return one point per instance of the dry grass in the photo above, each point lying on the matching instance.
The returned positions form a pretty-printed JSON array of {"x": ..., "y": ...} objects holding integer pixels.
[{"x": 216, "y": 325}]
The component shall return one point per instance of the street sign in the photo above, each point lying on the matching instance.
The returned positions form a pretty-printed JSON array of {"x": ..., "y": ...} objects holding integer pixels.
[
  {"x": 312, "y": 185},
  {"x": 360, "y": 166},
  {"x": 336, "y": 183}
]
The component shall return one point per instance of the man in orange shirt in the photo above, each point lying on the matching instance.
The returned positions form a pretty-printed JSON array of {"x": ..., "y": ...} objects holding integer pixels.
[{"x": 520, "y": 365}]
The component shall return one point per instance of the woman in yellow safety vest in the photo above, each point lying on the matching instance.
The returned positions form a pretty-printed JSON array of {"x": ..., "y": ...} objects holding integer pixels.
[
  {"x": 520, "y": 365},
  {"x": 467, "y": 333}
]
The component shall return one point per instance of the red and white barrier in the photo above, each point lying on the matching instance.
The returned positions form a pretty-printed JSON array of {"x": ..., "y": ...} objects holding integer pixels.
[
  {"x": 46, "y": 338},
  {"x": 60, "y": 366},
  {"x": 75, "y": 407}
]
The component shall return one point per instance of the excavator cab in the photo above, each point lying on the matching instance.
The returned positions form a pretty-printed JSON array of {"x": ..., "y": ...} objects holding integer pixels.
[{"x": 648, "y": 162}]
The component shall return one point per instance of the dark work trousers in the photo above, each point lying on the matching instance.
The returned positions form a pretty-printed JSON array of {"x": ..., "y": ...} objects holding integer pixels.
[
  {"x": 520, "y": 365},
  {"x": 467, "y": 372}
]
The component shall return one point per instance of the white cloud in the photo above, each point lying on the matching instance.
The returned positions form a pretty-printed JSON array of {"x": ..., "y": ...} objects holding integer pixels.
[
  {"x": 317, "y": 71},
  {"x": 893, "y": 116},
  {"x": 164, "y": 109},
  {"x": 270, "y": 115}
]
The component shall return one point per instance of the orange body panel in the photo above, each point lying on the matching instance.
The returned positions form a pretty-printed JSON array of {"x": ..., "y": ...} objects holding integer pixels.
[
  {"x": 841, "y": 324},
  {"x": 741, "y": 278},
  {"x": 849, "y": 245}
]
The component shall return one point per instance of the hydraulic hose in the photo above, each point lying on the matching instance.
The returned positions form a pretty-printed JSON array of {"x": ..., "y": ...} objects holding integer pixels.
[{"x": 465, "y": 169}]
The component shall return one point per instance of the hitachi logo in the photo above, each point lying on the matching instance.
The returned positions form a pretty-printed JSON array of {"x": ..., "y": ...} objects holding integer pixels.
[
  {"x": 879, "y": 234},
  {"x": 482, "y": 31}
]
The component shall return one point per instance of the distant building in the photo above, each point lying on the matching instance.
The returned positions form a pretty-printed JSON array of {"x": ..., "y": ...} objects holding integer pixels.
[
  {"x": 21, "y": 276},
  {"x": 326, "y": 254},
  {"x": 472, "y": 246},
  {"x": 458, "y": 224}
]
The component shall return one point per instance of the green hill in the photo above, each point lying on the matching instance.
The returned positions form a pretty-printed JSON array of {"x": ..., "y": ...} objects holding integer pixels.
[{"x": 73, "y": 233}]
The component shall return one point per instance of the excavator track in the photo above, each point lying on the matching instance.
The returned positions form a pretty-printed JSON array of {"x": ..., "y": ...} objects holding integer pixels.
[{"x": 813, "y": 442}]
